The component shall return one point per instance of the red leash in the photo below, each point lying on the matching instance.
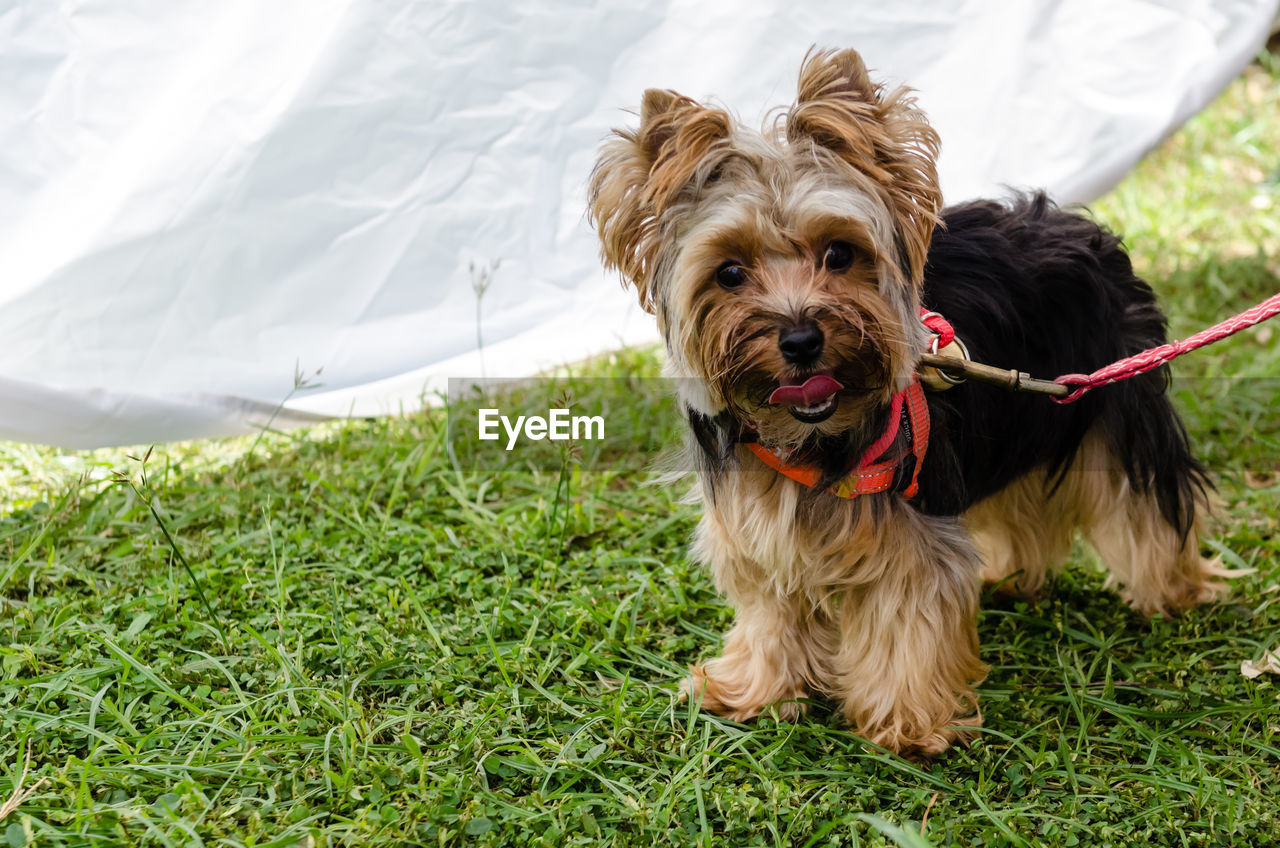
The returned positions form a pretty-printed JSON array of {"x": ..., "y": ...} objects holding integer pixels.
[
  {"x": 1072, "y": 387},
  {"x": 1140, "y": 363}
]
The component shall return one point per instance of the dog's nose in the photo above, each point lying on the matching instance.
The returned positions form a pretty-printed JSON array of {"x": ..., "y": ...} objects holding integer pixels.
[{"x": 801, "y": 344}]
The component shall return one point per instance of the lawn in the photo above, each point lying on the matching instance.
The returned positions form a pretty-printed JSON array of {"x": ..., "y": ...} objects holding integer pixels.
[{"x": 350, "y": 636}]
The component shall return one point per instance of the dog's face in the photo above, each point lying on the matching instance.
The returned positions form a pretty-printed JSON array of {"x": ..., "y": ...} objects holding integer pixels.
[{"x": 784, "y": 268}]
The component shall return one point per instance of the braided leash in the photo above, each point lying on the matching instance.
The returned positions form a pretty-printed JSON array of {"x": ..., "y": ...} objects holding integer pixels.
[
  {"x": 1072, "y": 387},
  {"x": 1140, "y": 363}
]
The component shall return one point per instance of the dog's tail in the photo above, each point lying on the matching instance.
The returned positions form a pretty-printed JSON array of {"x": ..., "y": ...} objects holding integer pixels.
[
  {"x": 1145, "y": 433},
  {"x": 1147, "y": 438}
]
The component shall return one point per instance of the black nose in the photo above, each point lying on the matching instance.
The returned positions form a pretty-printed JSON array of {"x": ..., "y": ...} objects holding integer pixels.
[{"x": 801, "y": 344}]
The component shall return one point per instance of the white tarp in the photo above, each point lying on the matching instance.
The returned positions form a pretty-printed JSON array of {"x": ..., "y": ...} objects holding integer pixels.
[{"x": 199, "y": 201}]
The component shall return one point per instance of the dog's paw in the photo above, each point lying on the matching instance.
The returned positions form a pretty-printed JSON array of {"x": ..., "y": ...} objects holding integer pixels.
[
  {"x": 1012, "y": 587},
  {"x": 1178, "y": 592},
  {"x": 722, "y": 697},
  {"x": 916, "y": 744}
]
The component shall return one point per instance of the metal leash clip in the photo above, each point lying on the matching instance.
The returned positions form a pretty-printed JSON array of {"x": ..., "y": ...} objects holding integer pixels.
[{"x": 954, "y": 370}]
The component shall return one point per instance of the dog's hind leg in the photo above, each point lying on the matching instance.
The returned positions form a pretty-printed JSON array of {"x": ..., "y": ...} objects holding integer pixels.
[
  {"x": 1156, "y": 568},
  {"x": 1156, "y": 565},
  {"x": 1023, "y": 532}
]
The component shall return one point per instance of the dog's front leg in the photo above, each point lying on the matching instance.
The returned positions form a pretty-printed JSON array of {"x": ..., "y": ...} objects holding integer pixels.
[
  {"x": 908, "y": 655},
  {"x": 764, "y": 664},
  {"x": 769, "y": 655}
]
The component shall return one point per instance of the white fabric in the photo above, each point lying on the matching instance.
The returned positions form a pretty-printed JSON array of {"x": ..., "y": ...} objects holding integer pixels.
[{"x": 198, "y": 200}]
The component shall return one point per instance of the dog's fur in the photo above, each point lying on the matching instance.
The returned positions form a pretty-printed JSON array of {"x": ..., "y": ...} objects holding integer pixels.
[{"x": 832, "y": 218}]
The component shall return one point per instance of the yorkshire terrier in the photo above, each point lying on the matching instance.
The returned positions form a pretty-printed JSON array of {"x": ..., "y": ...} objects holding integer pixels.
[{"x": 849, "y": 516}]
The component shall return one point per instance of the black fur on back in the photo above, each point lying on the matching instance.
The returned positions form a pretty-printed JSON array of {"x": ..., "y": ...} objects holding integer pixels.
[{"x": 1029, "y": 286}]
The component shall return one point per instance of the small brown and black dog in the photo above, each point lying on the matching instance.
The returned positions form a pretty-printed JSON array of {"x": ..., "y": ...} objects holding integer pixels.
[{"x": 849, "y": 516}]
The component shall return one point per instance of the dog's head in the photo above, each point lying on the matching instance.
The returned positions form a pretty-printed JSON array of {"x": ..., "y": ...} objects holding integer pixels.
[{"x": 784, "y": 267}]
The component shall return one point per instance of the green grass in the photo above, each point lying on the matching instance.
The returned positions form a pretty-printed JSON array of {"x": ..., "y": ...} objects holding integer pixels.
[{"x": 341, "y": 637}]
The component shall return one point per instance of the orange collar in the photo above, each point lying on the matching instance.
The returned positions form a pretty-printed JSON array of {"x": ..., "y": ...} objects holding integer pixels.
[{"x": 882, "y": 467}]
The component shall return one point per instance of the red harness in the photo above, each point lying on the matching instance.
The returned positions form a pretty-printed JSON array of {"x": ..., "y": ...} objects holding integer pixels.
[{"x": 882, "y": 466}]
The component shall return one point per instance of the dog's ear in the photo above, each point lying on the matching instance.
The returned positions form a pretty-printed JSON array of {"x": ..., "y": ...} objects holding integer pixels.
[
  {"x": 640, "y": 174},
  {"x": 884, "y": 135}
]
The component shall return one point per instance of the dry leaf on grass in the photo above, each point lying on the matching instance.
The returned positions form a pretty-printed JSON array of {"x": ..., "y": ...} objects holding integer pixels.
[
  {"x": 19, "y": 794},
  {"x": 1269, "y": 664},
  {"x": 1260, "y": 479}
]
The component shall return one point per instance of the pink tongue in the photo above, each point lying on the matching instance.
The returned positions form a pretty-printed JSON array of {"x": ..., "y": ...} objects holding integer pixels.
[{"x": 815, "y": 390}]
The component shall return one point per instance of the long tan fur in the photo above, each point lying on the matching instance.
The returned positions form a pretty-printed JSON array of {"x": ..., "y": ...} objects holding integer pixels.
[
  {"x": 1024, "y": 533},
  {"x": 873, "y": 605}
]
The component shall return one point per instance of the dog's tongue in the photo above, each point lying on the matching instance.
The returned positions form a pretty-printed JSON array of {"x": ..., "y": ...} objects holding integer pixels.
[{"x": 815, "y": 390}]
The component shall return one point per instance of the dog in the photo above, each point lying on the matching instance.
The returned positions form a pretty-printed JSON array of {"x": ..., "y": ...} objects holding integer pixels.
[{"x": 849, "y": 516}]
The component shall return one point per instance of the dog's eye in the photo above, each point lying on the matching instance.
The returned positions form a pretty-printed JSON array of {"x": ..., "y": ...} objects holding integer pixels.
[
  {"x": 730, "y": 275},
  {"x": 839, "y": 256}
]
